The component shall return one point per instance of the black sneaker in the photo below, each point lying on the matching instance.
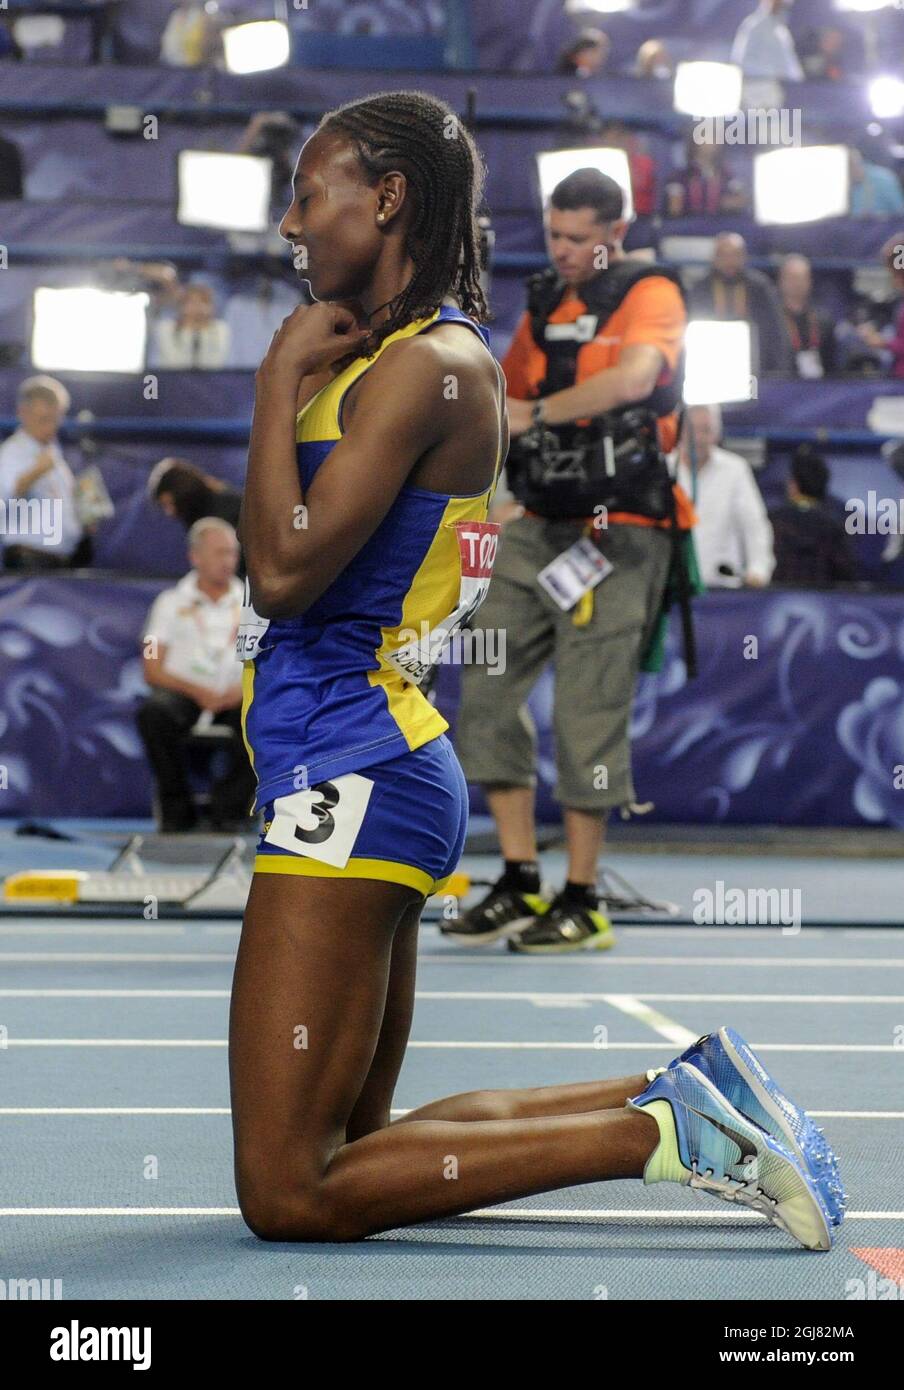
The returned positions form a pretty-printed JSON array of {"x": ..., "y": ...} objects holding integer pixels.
[
  {"x": 504, "y": 910},
  {"x": 566, "y": 926}
]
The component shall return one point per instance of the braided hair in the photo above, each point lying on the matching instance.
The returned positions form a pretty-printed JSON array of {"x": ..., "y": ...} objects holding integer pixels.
[{"x": 422, "y": 137}]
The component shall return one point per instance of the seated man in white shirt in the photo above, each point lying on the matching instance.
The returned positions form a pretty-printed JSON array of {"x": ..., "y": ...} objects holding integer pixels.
[
  {"x": 191, "y": 666},
  {"x": 733, "y": 536},
  {"x": 39, "y": 523}
]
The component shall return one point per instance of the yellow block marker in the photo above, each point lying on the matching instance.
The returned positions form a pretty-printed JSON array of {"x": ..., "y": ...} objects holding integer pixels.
[
  {"x": 49, "y": 885},
  {"x": 457, "y": 886}
]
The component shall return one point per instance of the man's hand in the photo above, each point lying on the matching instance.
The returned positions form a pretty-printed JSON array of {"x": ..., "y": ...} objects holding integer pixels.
[
  {"x": 227, "y": 699},
  {"x": 755, "y": 581},
  {"x": 43, "y": 464},
  {"x": 311, "y": 339},
  {"x": 503, "y": 512},
  {"x": 519, "y": 413},
  {"x": 868, "y": 333}
]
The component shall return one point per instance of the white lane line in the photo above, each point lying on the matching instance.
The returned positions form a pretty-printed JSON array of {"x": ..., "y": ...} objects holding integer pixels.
[
  {"x": 477, "y": 1045},
  {"x": 725, "y": 933},
  {"x": 121, "y": 1110},
  {"x": 72, "y": 929},
  {"x": 585, "y": 960},
  {"x": 665, "y": 1027},
  {"x": 864, "y": 933},
  {"x": 115, "y": 993},
  {"x": 547, "y": 999},
  {"x": 557, "y": 1214},
  {"x": 114, "y": 958},
  {"x": 115, "y": 1110},
  {"x": 605, "y": 997}
]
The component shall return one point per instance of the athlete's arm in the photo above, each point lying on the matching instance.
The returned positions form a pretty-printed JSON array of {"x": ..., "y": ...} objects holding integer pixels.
[{"x": 296, "y": 545}]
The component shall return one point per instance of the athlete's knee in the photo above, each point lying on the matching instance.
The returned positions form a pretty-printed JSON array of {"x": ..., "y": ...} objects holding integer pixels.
[
  {"x": 273, "y": 1215},
  {"x": 276, "y": 1206}
]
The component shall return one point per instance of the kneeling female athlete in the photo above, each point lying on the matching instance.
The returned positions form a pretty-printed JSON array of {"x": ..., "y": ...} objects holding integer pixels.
[{"x": 364, "y": 521}]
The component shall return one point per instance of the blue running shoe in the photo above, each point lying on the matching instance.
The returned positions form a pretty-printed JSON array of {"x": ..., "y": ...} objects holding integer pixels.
[
  {"x": 736, "y": 1071},
  {"x": 704, "y": 1142}
]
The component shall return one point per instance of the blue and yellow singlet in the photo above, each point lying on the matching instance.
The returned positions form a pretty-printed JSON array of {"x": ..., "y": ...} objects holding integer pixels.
[{"x": 322, "y": 696}]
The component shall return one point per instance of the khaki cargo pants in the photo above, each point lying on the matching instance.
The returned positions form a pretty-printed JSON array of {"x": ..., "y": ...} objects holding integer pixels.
[{"x": 596, "y": 665}]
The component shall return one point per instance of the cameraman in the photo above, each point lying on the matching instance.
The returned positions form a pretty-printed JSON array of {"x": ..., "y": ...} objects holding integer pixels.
[{"x": 593, "y": 375}]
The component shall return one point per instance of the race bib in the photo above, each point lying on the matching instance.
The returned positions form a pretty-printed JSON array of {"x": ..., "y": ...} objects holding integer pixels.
[
  {"x": 478, "y": 542},
  {"x": 573, "y": 573},
  {"x": 251, "y": 629},
  {"x": 321, "y": 822}
]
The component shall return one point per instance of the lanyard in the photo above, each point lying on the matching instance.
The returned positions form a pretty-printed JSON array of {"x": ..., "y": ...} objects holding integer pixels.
[{"x": 794, "y": 331}]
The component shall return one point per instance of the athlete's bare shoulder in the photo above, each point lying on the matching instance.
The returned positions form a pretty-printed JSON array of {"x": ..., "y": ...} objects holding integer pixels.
[{"x": 445, "y": 365}]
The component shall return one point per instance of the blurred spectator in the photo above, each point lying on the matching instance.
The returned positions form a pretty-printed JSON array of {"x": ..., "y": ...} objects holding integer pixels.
[
  {"x": 256, "y": 306},
  {"x": 274, "y": 135},
  {"x": 159, "y": 278},
  {"x": 706, "y": 186},
  {"x": 763, "y": 46},
  {"x": 654, "y": 60},
  {"x": 733, "y": 536},
  {"x": 11, "y": 179},
  {"x": 191, "y": 666},
  {"x": 828, "y": 56},
  {"x": 893, "y": 454},
  {"x": 182, "y": 491},
  {"x": 732, "y": 291},
  {"x": 875, "y": 190},
  {"x": 812, "y": 332},
  {"x": 585, "y": 56},
  {"x": 8, "y": 46},
  {"x": 642, "y": 165},
  {"x": 191, "y": 36},
  {"x": 812, "y": 547},
  {"x": 195, "y": 337},
  {"x": 33, "y": 470},
  {"x": 889, "y": 345}
]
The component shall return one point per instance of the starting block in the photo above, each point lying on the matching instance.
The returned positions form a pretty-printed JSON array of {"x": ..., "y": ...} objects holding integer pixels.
[{"x": 220, "y": 890}]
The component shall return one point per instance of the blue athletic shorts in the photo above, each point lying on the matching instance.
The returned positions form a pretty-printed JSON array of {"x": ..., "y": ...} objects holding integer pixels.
[{"x": 403, "y": 820}]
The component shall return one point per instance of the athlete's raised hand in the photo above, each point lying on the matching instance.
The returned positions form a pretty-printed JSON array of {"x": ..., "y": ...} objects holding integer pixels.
[{"x": 313, "y": 337}]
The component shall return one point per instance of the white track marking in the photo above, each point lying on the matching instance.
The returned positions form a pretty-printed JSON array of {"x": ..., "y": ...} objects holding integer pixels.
[
  {"x": 666, "y": 1027},
  {"x": 73, "y": 929},
  {"x": 585, "y": 960},
  {"x": 475, "y": 1045},
  {"x": 116, "y": 1110},
  {"x": 545, "y": 999},
  {"x": 560, "y": 1215},
  {"x": 117, "y": 958},
  {"x": 605, "y": 997},
  {"x": 128, "y": 1110},
  {"x": 115, "y": 993}
]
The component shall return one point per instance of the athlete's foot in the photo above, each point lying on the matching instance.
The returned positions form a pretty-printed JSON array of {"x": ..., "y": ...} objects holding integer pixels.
[
  {"x": 706, "y": 1143},
  {"x": 730, "y": 1063}
]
